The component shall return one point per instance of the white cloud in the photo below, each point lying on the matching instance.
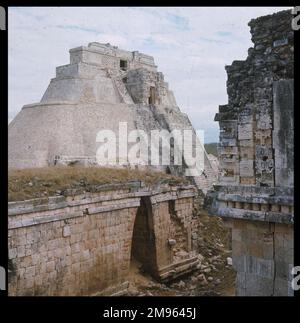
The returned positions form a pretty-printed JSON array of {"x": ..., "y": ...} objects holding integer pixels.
[{"x": 191, "y": 46}]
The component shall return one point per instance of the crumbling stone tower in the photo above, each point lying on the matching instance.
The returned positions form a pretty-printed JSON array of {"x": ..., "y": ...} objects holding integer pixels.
[
  {"x": 101, "y": 87},
  {"x": 256, "y": 151}
]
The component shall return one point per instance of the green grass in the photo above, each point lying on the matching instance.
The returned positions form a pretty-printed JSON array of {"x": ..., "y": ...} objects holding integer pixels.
[{"x": 211, "y": 148}]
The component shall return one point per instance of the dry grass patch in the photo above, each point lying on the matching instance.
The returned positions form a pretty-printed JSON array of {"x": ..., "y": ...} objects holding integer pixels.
[{"x": 40, "y": 182}]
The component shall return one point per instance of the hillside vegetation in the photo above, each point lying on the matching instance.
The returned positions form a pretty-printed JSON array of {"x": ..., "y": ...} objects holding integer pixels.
[{"x": 211, "y": 148}]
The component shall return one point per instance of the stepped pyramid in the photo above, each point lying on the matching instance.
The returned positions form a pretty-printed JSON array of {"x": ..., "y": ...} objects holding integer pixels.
[{"x": 102, "y": 86}]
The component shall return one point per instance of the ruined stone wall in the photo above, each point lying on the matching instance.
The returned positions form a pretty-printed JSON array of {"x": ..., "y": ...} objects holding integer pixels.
[
  {"x": 256, "y": 151},
  {"x": 148, "y": 87},
  {"x": 246, "y": 122},
  {"x": 81, "y": 243}
]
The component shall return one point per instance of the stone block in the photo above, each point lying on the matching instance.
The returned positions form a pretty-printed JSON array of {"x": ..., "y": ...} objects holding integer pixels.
[
  {"x": 50, "y": 266},
  {"x": 52, "y": 244},
  {"x": 12, "y": 253},
  {"x": 268, "y": 251},
  {"x": 246, "y": 143},
  {"x": 75, "y": 248},
  {"x": 281, "y": 287},
  {"x": 246, "y": 168},
  {"x": 245, "y": 131},
  {"x": 237, "y": 234},
  {"x": 275, "y": 208},
  {"x": 257, "y": 285},
  {"x": 52, "y": 276},
  {"x": 66, "y": 231},
  {"x": 282, "y": 270},
  {"x": 265, "y": 267},
  {"x": 21, "y": 251},
  {"x": 240, "y": 280},
  {"x": 29, "y": 284},
  {"x": 75, "y": 268},
  {"x": 38, "y": 280},
  {"x": 280, "y": 42},
  {"x": 28, "y": 251},
  {"x": 239, "y": 263},
  {"x": 251, "y": 264},
  {"x": 256, "y": 249},
  {"x": 30, "y": 270},
  {"x": 52, "y": 254},
  {"x": 86, "y": 255}
]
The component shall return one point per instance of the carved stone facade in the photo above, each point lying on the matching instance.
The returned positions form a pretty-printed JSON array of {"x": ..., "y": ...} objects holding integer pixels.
[{"x": 256, "y": 151}]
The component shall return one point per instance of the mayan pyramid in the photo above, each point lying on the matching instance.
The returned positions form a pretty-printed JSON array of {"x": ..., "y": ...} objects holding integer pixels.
[{"x": 101, "y": 87}]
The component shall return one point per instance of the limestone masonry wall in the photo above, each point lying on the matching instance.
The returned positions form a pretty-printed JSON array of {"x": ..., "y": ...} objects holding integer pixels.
[
  {"x": 82, "y": 244},
  {"x": 256, "y": 152}
]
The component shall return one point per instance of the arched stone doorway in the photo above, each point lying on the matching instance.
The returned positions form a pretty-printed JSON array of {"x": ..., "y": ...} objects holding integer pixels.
[
  {"x": 143, "y": 240},
  {"x": 161, "y": 237}
]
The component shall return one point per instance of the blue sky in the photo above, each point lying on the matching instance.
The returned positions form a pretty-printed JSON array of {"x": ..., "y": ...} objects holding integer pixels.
[{"x": 191, "y": 46}]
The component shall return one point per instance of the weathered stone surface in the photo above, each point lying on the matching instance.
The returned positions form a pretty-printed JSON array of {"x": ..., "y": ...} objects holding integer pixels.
[
  {"x": 283, "y": 133},
  {"x": 84, "y": 247},
  {"x": 259, "y": 197}
]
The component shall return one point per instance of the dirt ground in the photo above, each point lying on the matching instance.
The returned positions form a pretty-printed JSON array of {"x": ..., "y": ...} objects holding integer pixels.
[{"x": 214, "y": 277}]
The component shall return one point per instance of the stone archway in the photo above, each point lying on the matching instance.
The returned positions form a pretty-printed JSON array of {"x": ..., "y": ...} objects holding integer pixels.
[{"x": 143, "y": 247}]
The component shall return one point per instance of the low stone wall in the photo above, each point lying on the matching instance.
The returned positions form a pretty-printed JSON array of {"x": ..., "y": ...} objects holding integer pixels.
[{"x": 81, "y": 243}]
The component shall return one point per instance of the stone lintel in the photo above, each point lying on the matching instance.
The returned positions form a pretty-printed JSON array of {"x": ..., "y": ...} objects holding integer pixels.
[
  {"x": 281, "y": 200},
  {"x": 276, "y": 217}
]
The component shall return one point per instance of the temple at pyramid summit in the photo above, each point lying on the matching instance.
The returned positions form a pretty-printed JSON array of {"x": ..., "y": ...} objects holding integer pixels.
[{"x": 102, "y": 87}]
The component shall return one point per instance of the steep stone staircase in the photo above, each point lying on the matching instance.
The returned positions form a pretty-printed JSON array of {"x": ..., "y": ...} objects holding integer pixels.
[
  {"x": 204, "y": 176},
  {"x": 120, "y": 86}
]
